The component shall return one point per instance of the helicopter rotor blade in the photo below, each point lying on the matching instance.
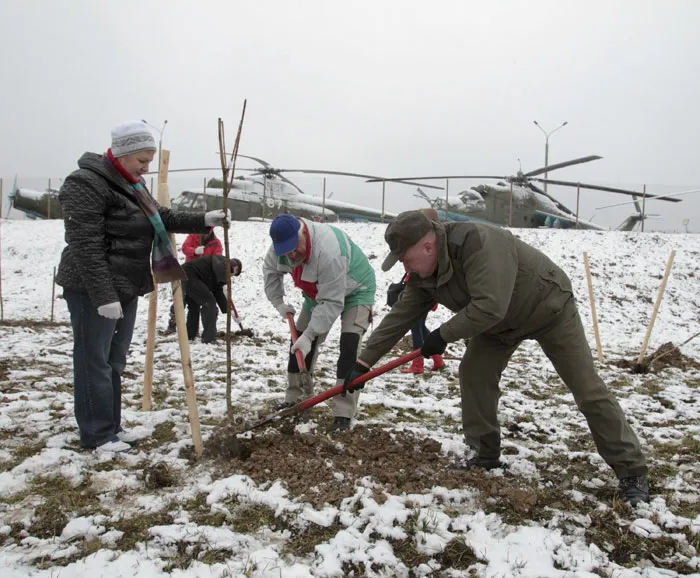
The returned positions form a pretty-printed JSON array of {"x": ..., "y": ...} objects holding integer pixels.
[
  {"x": 662, "y": 198},
  {"x": 562, "y": 165},
  {"x": 198, "y": 169},
  {"x": 407, "y": 179},
  {"x": 262, "y": 162},
  {"x": 561, "y": 206},
  {"x": 286, "y": 180},
  {"x": 607, "y": 189},
  {"x": 370, "y": 178}
]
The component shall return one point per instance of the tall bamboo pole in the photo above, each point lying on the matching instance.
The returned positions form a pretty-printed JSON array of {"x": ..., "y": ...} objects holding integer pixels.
[
  {"x": 510, "y": 206},
  {"x": 383, "y": 196},
  {"x": 593, "y": 313},
  {"x": 53, "y": 292},
  {"x": 179, "y": 305},
  {"x": 669, "y": 264},
  {"x": 163, "y": 163},
  {"x": 447, "y": 199},
  {"x": 226, "y": 170},
  {"x": 578, "y": 197}
]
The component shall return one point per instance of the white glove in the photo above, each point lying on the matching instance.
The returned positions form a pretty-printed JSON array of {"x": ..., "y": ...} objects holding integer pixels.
[
  {"x": 217, "y": 218},
  {"x": 285, "y": 308},
  {"x": 111, "y": 310},
  {"x": 199, "y": 250},
  {"x": 302, "y": 344}
]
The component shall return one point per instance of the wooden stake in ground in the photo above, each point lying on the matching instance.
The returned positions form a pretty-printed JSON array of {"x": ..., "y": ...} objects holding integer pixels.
[
  {"x": 163, "y": 162},
  {"x": 669, "y": 264},
  {"x": 178, "y": 304},
  {"x": 593, "y": 313},
  {"x": 226, "y": 170},
  {"x": 53, "y": 292}
]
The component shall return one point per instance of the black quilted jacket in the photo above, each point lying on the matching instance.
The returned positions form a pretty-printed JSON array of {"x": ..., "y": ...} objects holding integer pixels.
[{"x": 109, "y": 237}]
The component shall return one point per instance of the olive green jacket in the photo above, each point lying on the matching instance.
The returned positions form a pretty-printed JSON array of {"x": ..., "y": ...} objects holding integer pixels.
[{"x": 496, "y": 285}]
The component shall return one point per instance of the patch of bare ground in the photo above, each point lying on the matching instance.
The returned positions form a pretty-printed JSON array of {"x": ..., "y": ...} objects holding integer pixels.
[
  {"x": 33, "y": 323},
  {"x": 322, "y": 469},
  {"x": 626, "y": 548},
  {"x": 668, "y": 355}
]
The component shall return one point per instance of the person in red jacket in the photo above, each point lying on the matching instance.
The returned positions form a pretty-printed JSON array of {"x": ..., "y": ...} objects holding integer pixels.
[{"x": 201, "y": 246}]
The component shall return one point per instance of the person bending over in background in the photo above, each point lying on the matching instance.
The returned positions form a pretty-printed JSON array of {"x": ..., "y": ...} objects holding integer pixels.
[
  {"x": 117, "y": 243},
  {"x": 502, "y": 291},
  {"x": 203, "y": 291},
  {"x": 195, "y": 246},
  {"x": 336, "y": 279}
]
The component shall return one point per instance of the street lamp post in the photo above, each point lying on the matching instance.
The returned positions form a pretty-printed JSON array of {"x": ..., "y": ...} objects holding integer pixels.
[
  {"x": 160, "y": 133},
  {"x": 546, "y": 145}
]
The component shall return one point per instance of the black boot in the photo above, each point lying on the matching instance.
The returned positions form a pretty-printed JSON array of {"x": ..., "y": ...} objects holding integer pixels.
[
  {"x": 483, "y": 463},
  {"x": 634, "y": 489},
  {"x": 284, "y": 405},
  {"x": 340, "y": 424}
]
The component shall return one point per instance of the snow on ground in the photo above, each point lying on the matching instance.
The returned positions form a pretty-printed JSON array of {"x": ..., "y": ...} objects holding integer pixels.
[{"x": 67, "y": 512}]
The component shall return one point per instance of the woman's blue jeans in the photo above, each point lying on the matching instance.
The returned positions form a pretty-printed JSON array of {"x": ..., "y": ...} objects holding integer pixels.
[{"x": 100, "y": 346}]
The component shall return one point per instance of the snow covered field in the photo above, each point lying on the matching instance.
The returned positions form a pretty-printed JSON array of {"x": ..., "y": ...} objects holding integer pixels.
[{"x": 379, "y": 500}]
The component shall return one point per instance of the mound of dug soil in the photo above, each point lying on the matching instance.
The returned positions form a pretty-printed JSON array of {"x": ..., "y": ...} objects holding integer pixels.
[
  {"x": 324, "y": 469},
  {"x": 668, "y": 355}
]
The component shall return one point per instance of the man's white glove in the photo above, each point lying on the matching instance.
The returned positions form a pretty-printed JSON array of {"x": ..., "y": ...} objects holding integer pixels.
[
  {"x": 111, "y": 310},
  {"x": 302, "y": 344},
  {"x": 199, "y": 250},
  {"x": 216, "y": 218},
  {"x": 285, "y": 308}
]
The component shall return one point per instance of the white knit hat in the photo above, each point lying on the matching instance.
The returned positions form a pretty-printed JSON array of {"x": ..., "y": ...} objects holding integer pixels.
[{"x": 132, "y": 137}]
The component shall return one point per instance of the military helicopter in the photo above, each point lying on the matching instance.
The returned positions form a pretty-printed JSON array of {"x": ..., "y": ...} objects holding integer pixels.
[
  {"x": 515, "y": 201},
  {"x": 35, "y": 204},
  {"x": 266, "y": 192}
]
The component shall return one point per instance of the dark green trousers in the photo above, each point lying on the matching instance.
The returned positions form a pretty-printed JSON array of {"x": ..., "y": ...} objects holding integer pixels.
[{"x": 564, "y": 342}]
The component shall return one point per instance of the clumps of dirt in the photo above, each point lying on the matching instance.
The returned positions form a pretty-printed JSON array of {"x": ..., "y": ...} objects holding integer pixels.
[
  {"x": 458, "y": 554},
  {"x": 159, "y": 475},
  {"x": 225, "y": 443},
  {"x": 324, "y": 469},
  {"x": 236, "y": 336},
  {"x": 33, "y": 323},
  {"x": 626, "y": 548},
  {"x": 4, "y": 370},
  {"x": 668, "y": 355}
]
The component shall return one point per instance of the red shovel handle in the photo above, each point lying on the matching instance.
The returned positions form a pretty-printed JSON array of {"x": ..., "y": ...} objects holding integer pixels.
[
  {"x": 333, "y": 391},
  {"x": 295, "y": 336}
]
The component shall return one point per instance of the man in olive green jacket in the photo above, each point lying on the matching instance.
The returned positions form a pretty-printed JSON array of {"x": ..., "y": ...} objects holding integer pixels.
[{"x": 502, "y": 292}]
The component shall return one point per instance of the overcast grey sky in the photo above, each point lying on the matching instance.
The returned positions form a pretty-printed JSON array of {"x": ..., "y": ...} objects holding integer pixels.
[{"x": 389, "y": 87}]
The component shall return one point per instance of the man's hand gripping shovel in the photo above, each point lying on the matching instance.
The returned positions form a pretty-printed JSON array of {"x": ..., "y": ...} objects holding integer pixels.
[
  {"x": 333, "y": 391},
  {"x": 305, "y": 381}
]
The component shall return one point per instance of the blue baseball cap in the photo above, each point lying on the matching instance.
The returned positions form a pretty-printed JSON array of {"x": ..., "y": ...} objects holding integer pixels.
[{"x": 284, "y": 231}]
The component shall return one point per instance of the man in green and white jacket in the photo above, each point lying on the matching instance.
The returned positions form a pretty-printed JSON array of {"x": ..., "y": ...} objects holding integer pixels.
[{"x": 336, "y": 280}]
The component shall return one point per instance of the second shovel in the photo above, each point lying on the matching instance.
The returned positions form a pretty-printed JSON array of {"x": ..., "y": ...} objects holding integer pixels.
[{"x": 305, "y": 382}]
